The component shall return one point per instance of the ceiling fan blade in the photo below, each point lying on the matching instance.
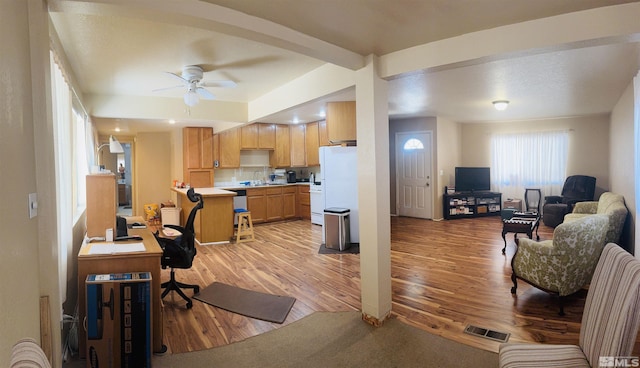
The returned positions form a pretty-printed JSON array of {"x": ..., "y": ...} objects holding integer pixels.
[
  {"x": 205, "y": 94},
  {"x": 176, "y": 76},
  {"x": 219, "y": 83},
  {"x": 166, "y": 88}
]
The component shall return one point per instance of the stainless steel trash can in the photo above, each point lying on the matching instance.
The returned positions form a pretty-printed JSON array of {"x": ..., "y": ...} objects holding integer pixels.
[{"x": 336, "y": 228}]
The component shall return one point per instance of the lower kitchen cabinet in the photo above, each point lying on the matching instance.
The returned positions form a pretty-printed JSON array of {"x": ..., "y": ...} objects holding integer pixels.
[
  {"x": 274, "y": 204},
  {"x": 289, "y": 202},
  {"x": 257, "y": 204},
  {"x": 278, "y": 203}
]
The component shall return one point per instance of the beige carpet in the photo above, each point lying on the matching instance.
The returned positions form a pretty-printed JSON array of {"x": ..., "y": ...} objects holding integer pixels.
[{"x": 342, "y": 339}]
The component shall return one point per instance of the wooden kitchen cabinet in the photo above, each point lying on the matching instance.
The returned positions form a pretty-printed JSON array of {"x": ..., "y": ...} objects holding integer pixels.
[
  {"x": 323, "y": 136},
  {"x": 197, "y": 156},
  {"x": 122, "y": 195},
  {"x": 258, "y": 136},
  {"x": 249, "y": 136},
  {"x": 298, "y": 151},
  {"x": 274, "y": 204},
  {"x": 216, "y": 150},
  {"x": 312, "y": 144},
  {"x": 281, "y": 155},
  {"x": 101, "y": 204},
  {"x": 266, "y": 136},
  {"x": 229, "y": 149},
  {"x": 289, "y": 194},
  {"x": 257, "y": 204},
  {"x": 341, "y": 121}
]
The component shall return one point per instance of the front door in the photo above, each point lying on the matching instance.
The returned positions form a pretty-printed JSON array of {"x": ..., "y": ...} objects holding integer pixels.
[{"x": 414, "y": 179}]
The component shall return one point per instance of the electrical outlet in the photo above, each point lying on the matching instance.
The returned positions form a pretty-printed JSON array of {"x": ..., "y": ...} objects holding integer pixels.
[{"x": 33, "y": 205}]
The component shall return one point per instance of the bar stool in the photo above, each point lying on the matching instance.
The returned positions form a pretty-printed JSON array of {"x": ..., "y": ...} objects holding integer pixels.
[{"x": 245, "y": 225}]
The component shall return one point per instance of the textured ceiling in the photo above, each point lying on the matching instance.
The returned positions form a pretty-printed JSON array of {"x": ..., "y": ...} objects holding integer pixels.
[
  {"x": 382, "y": 26},
  {"x": 123, "y": 48}
]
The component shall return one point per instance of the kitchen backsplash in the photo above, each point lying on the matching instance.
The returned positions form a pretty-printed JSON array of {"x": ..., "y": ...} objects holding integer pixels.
[{"x": 225, "y": 177}]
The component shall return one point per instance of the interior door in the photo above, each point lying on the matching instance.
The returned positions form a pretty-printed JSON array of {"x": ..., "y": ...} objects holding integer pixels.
[
  {"x": 125, "y": 180},
  {"x": 414, "y": 178}
]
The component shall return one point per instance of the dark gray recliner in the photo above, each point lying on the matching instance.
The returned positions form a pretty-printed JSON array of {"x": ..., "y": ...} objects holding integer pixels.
[{"x": 577, "y": 188}]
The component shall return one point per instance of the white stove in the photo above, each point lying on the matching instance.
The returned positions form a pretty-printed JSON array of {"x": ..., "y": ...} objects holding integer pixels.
[{"x": 317, "y": 204}]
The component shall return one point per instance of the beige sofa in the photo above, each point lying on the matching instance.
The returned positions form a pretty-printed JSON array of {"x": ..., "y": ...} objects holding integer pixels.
[{"x": 609, "y": 204}]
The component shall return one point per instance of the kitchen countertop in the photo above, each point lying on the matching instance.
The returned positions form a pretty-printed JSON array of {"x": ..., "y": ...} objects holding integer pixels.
[
  {"x": 240, "y": 186},
  {"x": 207, "y": 192}
]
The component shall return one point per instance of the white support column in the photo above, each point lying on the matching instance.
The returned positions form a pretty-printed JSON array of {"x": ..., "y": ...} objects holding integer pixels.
[{"x": 373, "y": 192}]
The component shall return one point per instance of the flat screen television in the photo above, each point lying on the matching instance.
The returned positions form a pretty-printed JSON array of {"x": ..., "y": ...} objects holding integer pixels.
[{"x": 473, "y": 179}]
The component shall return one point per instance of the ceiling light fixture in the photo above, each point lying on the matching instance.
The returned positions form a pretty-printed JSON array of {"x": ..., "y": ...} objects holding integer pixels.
[
  {"x": 500, "y": 105},
  {"x": 191, "y": 98}
]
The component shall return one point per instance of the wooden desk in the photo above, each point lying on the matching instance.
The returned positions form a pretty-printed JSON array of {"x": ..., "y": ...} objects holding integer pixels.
[
  {"x": 148, "y": 261},
  {"x": 214, "y": 222}
]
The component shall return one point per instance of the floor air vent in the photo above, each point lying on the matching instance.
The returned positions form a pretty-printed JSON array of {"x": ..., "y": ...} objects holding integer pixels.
[{"x": 486, "y": 333}]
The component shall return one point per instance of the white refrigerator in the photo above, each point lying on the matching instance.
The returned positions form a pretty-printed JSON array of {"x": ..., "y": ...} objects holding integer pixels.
[{"x": 339, "y": 178}]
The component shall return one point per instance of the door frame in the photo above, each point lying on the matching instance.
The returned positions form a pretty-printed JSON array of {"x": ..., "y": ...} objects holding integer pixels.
[{"x": 398, "y": 148}]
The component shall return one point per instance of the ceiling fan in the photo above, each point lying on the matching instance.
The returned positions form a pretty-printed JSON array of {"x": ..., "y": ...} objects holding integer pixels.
[{"x": 191, "y": 78}]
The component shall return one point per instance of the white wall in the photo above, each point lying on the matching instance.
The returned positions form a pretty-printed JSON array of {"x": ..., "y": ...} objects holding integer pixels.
[
  {"x": 588, "y": 143},
  {"x": 21, "y": 272},
  {"x": 621, "y": 162},
  {"x": 449, "y": 153},
  {"x": 153, "y": 169}
]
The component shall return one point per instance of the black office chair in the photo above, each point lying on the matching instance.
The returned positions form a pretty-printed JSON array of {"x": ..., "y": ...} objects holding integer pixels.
[{"x": 179, "y": 252}]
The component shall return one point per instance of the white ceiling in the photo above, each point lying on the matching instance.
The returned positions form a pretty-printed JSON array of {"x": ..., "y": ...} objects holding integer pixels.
[{"x": 123, "y": 48}]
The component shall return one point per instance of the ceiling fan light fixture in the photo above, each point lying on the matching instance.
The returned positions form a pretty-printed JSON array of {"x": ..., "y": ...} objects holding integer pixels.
[
  {"x": 191, "y": 98},
  {"x": 501, "y": 105}
]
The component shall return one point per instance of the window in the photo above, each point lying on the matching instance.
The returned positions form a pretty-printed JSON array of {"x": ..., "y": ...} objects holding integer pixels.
[
  {"x": 71, "y": 129},
  {"x": 529, "y": 160},
  {"x": 413, "y": 144},
  {"x": 81, "y": 135}
]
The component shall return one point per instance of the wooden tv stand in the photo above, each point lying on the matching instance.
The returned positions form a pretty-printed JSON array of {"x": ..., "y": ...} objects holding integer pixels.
[{"x": 471, "y": 204}]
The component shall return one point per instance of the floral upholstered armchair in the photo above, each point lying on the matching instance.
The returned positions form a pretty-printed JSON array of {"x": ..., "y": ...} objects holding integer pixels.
[
  {"x": 609, "y": 204},
  {"x": 564, "y": 264}
]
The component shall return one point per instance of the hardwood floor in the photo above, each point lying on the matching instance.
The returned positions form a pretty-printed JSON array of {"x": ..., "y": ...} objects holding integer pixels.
[{"x": 445, "y": 275}]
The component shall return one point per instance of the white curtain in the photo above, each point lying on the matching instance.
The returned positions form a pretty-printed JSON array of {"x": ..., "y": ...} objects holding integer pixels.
[
  {"x": 529, "y": 160},
  {"x": 61, "y": 96}
]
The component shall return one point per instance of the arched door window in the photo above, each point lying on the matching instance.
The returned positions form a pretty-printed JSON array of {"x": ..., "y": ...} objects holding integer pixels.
[{"x": 413, "y": 144}]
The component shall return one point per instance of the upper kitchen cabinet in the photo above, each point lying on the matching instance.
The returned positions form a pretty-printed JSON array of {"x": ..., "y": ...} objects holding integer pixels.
[
  {"x": 323, "y": 137},
  {"x": 229, "y": 149},
  {"x": 341, "y": 122},
  {"x": 197, "y": 156},
  {"x": 258, "y": 136},
  {"x": 298, "y": 150},
  {"x": 280, "y": 157},
  {"x": 312, "y": 144},
  {"x": 266, "y": 136},
  {"x": 249, "y": 136}
]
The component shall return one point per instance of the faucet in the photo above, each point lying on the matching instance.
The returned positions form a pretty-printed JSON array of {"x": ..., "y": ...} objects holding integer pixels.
[{"x": 257, "y": 181}]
